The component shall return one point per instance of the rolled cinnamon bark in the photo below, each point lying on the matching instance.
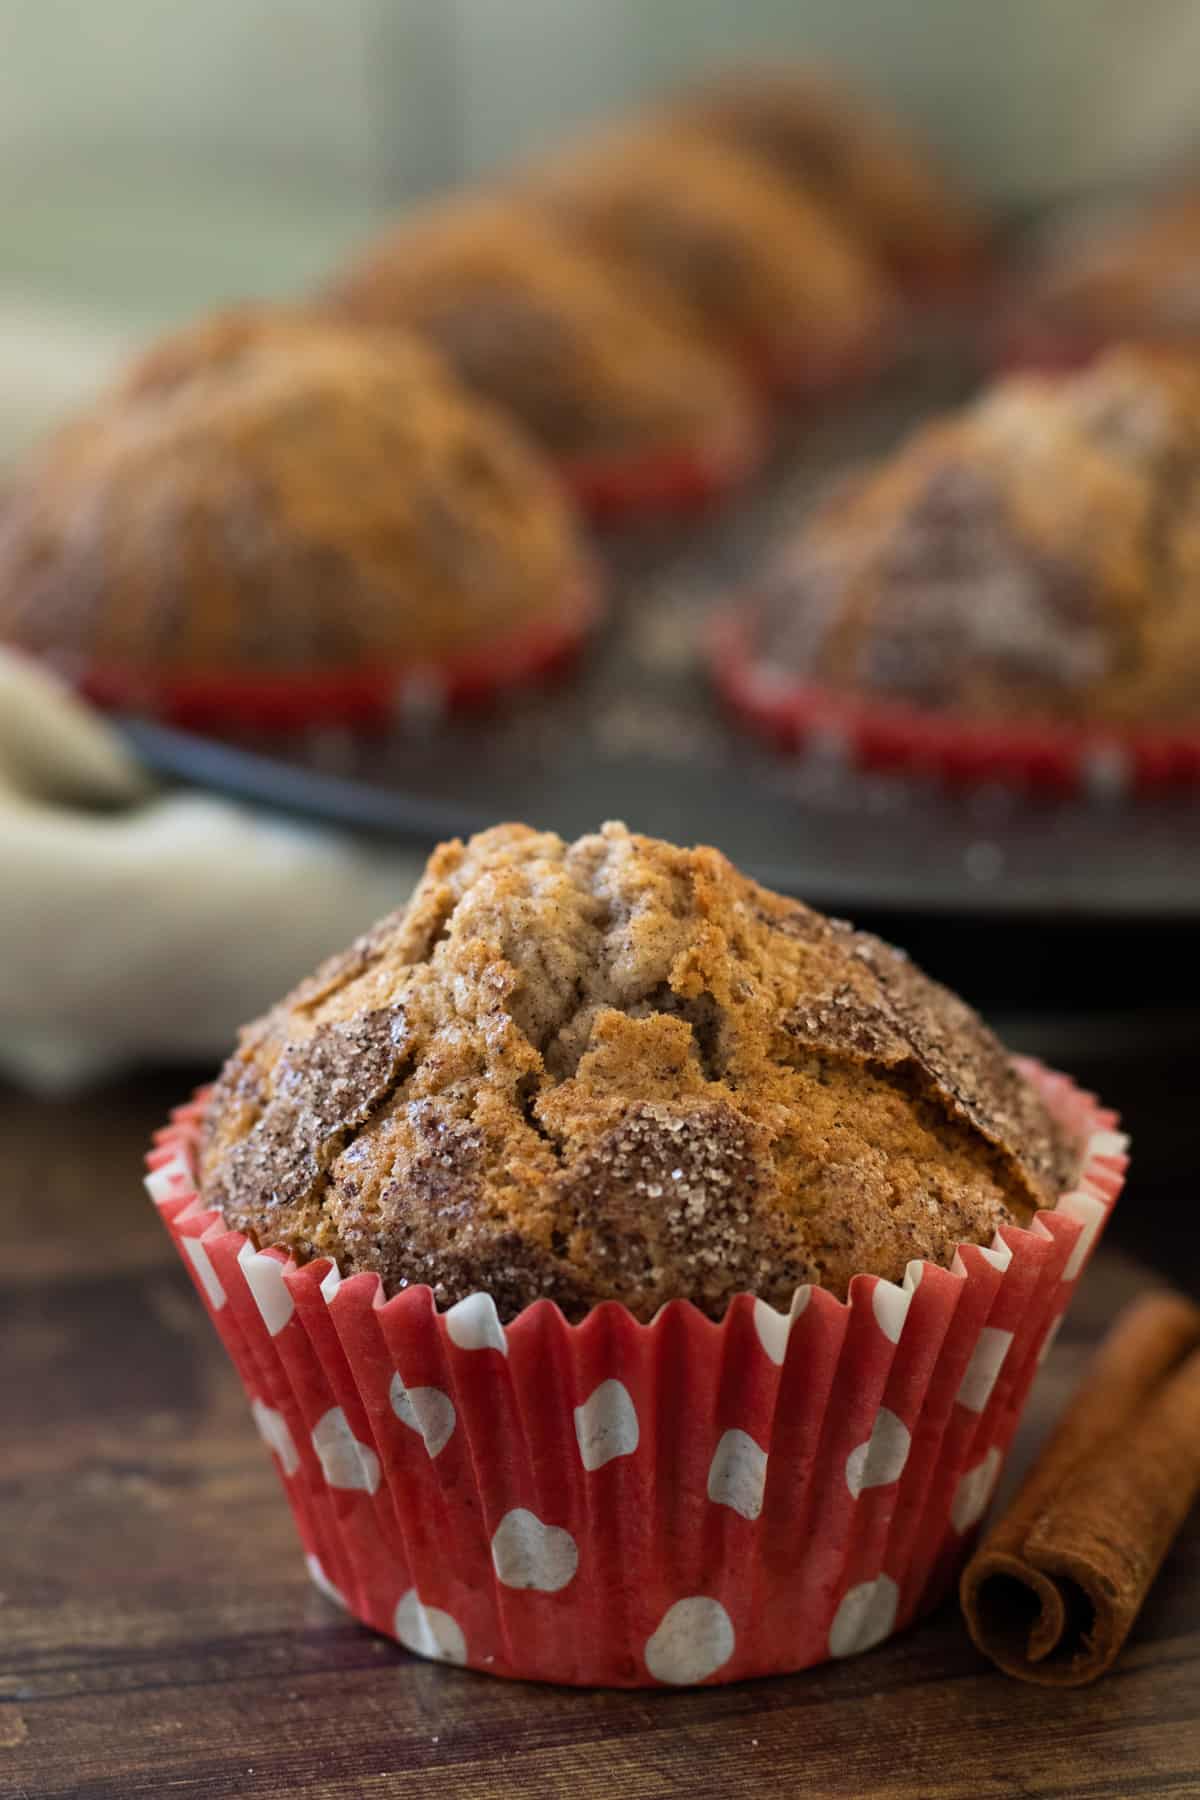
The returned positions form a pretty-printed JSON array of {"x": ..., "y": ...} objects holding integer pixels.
[{"x": 1052, "y": 1593}]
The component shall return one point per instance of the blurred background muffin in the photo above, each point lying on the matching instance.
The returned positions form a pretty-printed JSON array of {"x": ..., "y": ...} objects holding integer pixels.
[
  {"x": 759, "y": 265},
  {"x": 880, "y": 185},
  {"x": 271, "y": 517},
  {"x": 614, "y": 383},
  {"x": 1106, "y": 275},
  {"x": 1036, "y": 556}
]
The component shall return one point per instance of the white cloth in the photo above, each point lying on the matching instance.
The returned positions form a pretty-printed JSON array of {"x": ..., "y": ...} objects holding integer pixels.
[{"x": 136, "y": 924}]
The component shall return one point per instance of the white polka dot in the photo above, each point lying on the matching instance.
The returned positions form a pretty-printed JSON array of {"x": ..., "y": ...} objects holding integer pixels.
[
  {"x": 173, "y": 1180},
  {"x": 273, "y": 1430},
  {"x": 264, "y": 1278},
  {"x": 737, "y": 1474},
  {"x": 420, "y": 698},
  {"x": 210, "y": 1281},
  {"x": 986, "y": 1362},
  {"x": 1091, "y": 1214},
  {"x": 425, "y": 1410},
  {"x": 321, "y": 1581},
  {"x": 975, "y": 1490},
  {"x": 474, "y": 1324},
  {"x": 331, "y": 1281},
  {"x": 428, "y": 1631},
  {"x": 865, "y": 1617},
  {"x": 1106, "y": 769},
  {"x": 1047, "y": 1344},
  {"x": 346, "y": 1462},
  {"x": 999, "y": 1254},
  {"x": 693, "y": 1641},
  {"x": 881, "y": 1460},
  {"x": 1107, "y": 1143},
  {"x": 774, "y": 1328},
  {"x": 890, "y": 1305},
  {"x": 528, "y": 1554},
  {"x": 606, "y": 1425}
]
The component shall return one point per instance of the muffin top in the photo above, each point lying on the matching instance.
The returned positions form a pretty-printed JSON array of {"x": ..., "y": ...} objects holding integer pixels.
[
  {"x": 265, "y": 491},
  {"x": 759, "y": 264},
  {"x": 1135, "y": 274},
  {"x": 590, "y": 363},
  {"x": 870, "y": 175},
  {"x": 1036, "y": 554},
  {"x": 619, "y": 1070}
]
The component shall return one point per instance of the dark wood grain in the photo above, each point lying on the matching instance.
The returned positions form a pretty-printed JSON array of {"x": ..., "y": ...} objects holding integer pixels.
[{"x": 158, "y": 1636}]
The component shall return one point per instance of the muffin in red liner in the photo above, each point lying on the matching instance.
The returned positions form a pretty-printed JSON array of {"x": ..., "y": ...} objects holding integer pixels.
[
  {"x": 275, "y": 520},
  {"x": 836, "y": 145},
  {"x": 1012, "y": 595},
  {"x": 1128, "y": 274},
  {"x": 580, "y": 1490},
  {"x": 613, "y": 382},
  {"x": 758, "y": 266},
  {"x": 624, "y": 1504}
]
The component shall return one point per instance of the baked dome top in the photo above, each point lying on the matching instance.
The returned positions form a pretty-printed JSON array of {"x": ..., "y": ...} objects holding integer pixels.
[
  {"x": 1035, "y": 554},
  {"x": 615, "y": 1069},
  {"x": 759, "y": 264},
  {"x": 269, "y": 491},
  {"x": 1132, "y": 274},
  {"x": 589, "y": 361},
  {"x": 876, "y": 180}
]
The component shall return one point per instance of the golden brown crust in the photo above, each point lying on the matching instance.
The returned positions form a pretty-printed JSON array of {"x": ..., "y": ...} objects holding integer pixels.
[
  {"x": 1037, "y": 554},
  {"x": 759, "y": 265},
  {"x": 617, "y": 1069},
  {"x": 267, "y": 491},
  {"x": 851, "y": 156},
  {"x": 1132, "y": 276},
  {"x": 591, "y": 364}
]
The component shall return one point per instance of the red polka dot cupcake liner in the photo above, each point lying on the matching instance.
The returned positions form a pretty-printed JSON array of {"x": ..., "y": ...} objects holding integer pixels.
[
  {"x": 1036, "y": 754},
  {"x": 677, "y": 482},
  {"x": 374, "y": 695},
  {"x": 619, "y": 1504}
]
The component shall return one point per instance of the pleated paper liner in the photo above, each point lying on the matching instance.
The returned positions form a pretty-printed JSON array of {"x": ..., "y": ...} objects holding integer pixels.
[
  {"x": 890, "y": 735},
  {"x": 624, "y": 1504},
  {"x": 367, "y": 695},
  {"x": 673, "y": 481}
]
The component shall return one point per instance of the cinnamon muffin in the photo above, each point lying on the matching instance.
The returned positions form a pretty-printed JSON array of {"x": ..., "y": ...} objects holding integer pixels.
[
  {"x": 1132, "y": 275},
  {"x": 760, "y": 266},
  {"x": 273, "y": 513},
  {"x": 619, "y": 1070},
  {"x": 605, "y": 377},
  {"x": 880, "y": 185},
  {"x": 1035, "y": 556}
]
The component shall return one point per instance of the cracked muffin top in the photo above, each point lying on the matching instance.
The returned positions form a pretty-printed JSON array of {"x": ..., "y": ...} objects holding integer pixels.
[
  {"x": 872, "y": 177},
  {"x": 1035, "y": 555},
  {"x": 759, "y": 265},
  {"x": 616, "y": 1069},
  {"x": 265, "y": 491},
  {"x": 590, "y": 364}
]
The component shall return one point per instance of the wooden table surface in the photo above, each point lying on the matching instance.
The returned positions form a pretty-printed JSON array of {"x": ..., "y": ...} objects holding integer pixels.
[{"x": 158, "y": 1635}]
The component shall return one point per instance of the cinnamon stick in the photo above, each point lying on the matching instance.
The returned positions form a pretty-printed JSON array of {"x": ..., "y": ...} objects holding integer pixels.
[{"x": 1051, "y": 1594}]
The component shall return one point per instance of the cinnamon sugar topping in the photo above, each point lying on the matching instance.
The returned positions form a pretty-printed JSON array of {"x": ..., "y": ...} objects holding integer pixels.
[{"x": 617, "y": 1069}]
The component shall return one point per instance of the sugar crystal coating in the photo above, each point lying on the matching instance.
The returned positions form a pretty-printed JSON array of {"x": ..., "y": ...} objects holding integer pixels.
[{"x": 616, "y": 1069}]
